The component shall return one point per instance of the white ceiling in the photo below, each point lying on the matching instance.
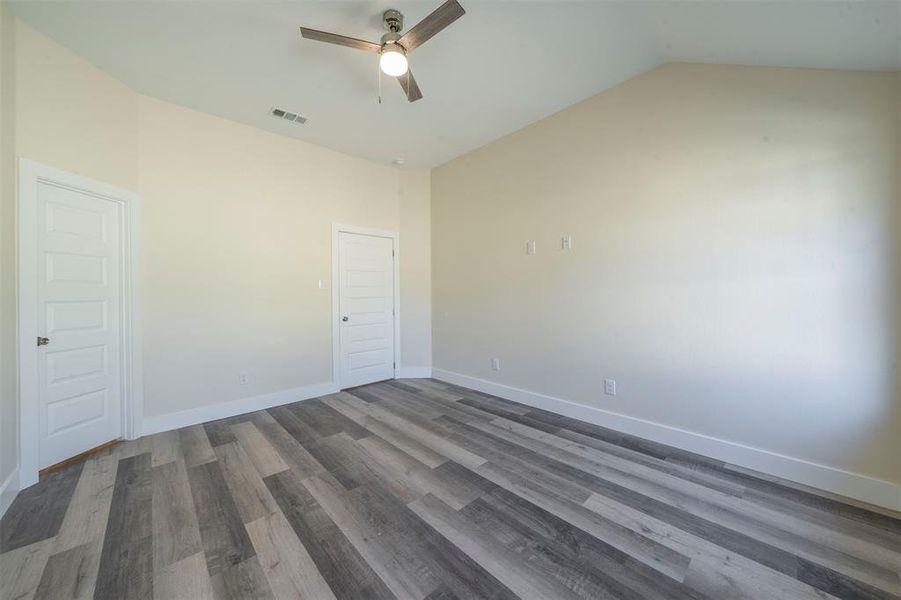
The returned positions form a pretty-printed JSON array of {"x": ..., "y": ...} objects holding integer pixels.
[{"x": 501, "y": 66}]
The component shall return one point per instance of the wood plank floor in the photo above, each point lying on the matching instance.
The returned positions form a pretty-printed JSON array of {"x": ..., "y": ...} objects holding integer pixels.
[{"x": 423, "y": 490}]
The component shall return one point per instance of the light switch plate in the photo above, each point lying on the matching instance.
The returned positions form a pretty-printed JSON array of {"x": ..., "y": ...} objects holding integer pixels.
[{"x": 530, "y": 248}]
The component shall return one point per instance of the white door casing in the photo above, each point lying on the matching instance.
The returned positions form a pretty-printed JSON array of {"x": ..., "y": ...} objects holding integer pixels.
[
  {"x": 77, "y": 268},
  {"x": 365, "y": 310}
]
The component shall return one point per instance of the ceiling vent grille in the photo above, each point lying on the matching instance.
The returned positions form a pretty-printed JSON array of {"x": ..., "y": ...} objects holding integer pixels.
[{"x": 287, "y": 115}]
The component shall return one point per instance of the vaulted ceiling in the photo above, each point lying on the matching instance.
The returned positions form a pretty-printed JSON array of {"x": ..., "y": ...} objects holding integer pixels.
[{"x": 501, "y": 66}]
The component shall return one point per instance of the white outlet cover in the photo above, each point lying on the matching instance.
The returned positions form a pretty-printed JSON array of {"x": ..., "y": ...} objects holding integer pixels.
[
  {"x": 530, "y": 248},
  {"x": 323, "y": 284},
  {"x": 610, "y": 387},
  {"x": 567, "y": 242},
  {"x": 495, "y": 364}
]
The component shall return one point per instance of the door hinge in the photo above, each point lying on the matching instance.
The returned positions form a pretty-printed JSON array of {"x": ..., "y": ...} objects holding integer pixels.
[
  {"x": 392, "y": 252},
  {"x": 394, "y": 365}
]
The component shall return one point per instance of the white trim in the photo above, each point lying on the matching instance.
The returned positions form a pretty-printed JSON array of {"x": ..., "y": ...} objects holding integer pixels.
[
  {"x": 8, "y": 491},
  {"x": 30, "y": 173},
  {"x": 336, "y": 290},
  {"x": 413, "y": 373},
  {"x": 222, "y": 410},
  {"x": 852, "y": 485}
]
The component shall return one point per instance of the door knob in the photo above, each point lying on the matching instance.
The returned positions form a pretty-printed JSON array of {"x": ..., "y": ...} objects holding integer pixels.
[
  {"x": 42, "y": 341},
  {"x": 345, "y": 319}
]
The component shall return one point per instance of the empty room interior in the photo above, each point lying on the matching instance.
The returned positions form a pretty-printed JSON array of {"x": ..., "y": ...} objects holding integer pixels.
[{"x": 604, "y": 303}]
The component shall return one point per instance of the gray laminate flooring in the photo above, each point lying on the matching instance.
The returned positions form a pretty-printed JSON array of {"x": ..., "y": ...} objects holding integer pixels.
[{"x": 421, "y": 489}]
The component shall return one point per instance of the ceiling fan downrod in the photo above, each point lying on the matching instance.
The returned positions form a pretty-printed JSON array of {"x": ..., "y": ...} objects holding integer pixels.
[{"x": 393, "y": 20}]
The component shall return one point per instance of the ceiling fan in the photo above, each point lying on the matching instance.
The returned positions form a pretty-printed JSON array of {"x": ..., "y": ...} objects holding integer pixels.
[{"x": 394, "y": 47}]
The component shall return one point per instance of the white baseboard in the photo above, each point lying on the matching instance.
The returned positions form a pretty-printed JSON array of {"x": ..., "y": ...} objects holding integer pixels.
[
  {"x": 845, "y": 483},
  {"x": 211, "y": 412},
  {"x": 8, "y": 491},
  {"x": 413, "y": 373}
]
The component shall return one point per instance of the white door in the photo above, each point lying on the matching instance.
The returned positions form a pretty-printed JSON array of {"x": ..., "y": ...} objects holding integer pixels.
[
  {"x": 365, "y": 308},
  {"x": 79, "y": 291}
]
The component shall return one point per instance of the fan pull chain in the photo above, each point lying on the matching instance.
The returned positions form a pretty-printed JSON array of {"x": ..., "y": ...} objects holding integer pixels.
[{"x": 380, "y": 82}]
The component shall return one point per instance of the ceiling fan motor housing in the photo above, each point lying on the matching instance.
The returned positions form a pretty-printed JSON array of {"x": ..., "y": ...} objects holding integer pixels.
[
  {"x": 390, "y": 38},
  {"x": 394, "y": 20}
]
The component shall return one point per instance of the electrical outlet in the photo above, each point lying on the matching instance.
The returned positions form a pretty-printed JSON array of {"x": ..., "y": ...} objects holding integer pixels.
[
  {"x": 495, "y": 364},
  {"x": 530, "y": 248},
  {"x": 323, "y": 284},
  {"x": 610, "y": 387},
  {"x": 567, "y": 242},
  {"x": 243, "y": 379}
]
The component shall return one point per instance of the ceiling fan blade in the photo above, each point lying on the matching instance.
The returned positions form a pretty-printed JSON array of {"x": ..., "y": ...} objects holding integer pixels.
[
  {"x": 411, "y": 88},
  {"x": 341, "y": 40},
  {"x": 423, "y": 31}
]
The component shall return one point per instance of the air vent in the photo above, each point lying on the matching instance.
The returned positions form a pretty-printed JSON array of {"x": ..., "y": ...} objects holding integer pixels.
[{"x": 279, "y": 113}]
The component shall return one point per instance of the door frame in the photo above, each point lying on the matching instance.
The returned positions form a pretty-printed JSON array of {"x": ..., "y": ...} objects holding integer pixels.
[
  {"x": 337, "y": 229},
  {"x": 30, "y": 174}
]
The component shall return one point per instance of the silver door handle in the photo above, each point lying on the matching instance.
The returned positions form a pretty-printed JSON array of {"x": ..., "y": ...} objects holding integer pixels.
[
  {"x": 42, "y": 341},
  {"x": 345, "y": 318}
]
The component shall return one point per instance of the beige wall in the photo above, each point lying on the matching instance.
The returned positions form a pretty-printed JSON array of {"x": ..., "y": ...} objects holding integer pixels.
[
  {"x": 733, "y": 264},
  {"x": 237, "y": 233},
  {"x": 236, "y": 229},
  {"x": 416, "y": 265},
  {"x": 8, "y": 385},
  {"x": 897, "y": 269},
  {"x": 71, "y": 115}
]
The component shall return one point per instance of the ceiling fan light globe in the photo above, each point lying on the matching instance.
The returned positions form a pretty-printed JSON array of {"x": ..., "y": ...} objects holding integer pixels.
[{"x": 393, "y": 62}]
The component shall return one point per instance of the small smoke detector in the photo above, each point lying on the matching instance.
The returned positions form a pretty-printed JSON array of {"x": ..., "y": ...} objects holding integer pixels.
[{"x": 287, "y": 115}]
